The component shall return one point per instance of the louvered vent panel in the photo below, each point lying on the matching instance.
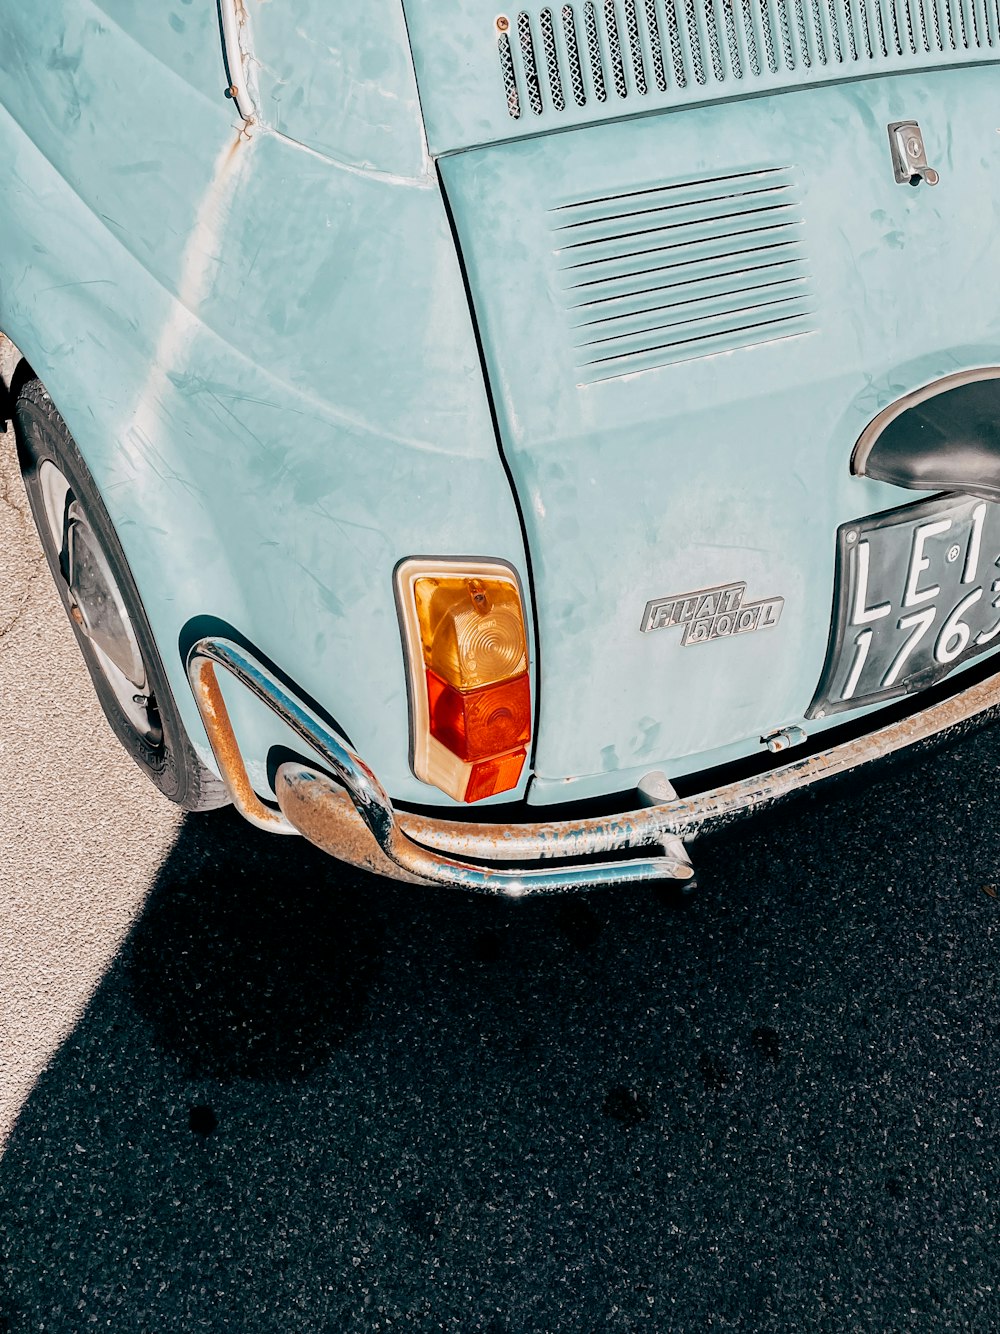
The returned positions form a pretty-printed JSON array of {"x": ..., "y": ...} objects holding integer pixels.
[
  {"x": 684, "y": 270},
  {"x": 603, "y": 52}
]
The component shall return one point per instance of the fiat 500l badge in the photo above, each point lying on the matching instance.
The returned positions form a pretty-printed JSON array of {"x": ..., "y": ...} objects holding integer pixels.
[{"x": 712, "y": 613}]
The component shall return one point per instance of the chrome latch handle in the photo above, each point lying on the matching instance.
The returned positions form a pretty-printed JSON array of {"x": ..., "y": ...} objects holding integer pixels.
[{"x": 909, "y": 157}]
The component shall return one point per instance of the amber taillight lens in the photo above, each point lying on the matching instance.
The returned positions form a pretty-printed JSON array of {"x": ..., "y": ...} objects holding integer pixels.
[{"x": 468, "y": 662}]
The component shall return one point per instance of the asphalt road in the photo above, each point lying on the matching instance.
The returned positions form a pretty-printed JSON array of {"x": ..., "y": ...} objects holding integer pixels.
[
  {"x": 82, "y": 834},
  {"x": 255, "y": 1091}
]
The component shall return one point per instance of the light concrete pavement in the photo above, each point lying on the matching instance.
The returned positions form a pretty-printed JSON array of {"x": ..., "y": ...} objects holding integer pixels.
[{"x": 81, "y": 831}]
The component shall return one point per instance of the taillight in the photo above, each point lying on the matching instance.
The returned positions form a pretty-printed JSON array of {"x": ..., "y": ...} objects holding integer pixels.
[{"x": 467, "y": 653}]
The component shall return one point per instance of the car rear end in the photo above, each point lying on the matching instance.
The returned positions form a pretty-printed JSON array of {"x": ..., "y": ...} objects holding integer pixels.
[
  {"x": 605, "y": 466},
  {"x": 706, "y": 246}
]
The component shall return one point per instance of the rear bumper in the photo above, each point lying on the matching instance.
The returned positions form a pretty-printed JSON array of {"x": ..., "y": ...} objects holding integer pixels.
[{"x": 346, "y": 812}]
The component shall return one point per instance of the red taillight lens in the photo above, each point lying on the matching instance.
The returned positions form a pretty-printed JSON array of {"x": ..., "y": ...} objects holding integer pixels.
[
  {"x": 483, "y": 722},
  {"x": 469, "y": 684}
]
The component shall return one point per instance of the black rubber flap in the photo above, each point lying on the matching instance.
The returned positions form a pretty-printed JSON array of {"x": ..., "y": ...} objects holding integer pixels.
[{"x": 947, "y": 443}]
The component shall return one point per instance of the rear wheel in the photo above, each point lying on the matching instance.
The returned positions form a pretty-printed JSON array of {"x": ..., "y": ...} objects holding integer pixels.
[{"x": 103, "y": 604}]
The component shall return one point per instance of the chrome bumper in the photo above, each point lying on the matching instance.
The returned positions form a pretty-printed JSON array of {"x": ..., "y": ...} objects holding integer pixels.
[{"x": 350, "y": 815}]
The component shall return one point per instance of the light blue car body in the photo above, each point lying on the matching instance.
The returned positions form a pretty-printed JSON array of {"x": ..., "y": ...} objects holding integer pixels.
[{"x": 298, "y": 351}]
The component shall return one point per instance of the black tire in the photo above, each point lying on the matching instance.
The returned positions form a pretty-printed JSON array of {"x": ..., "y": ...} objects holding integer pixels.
[{"x": 161, "y": 749}]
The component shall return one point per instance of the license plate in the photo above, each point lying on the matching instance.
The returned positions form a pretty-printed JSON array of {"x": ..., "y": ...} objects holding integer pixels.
[{"x": 918, "y": 592}]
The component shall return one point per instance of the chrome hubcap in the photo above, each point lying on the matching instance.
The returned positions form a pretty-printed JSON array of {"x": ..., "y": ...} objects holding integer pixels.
[{"x": 96, "y": 603}]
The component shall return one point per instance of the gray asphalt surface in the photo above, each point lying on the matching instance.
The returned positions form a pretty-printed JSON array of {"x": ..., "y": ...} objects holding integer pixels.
[
  {"x": 82, "y": 832},
  {"x": 257, "y": 1092}
]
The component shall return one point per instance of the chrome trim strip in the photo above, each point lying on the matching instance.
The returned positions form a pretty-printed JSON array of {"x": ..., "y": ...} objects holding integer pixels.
[
  {"x": 431, "y": 850},
  {"x": 233, "y": 19}
]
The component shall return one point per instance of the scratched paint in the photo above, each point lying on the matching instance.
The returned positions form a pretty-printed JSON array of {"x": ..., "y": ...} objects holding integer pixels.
[
  {"x": 339, "y": 79},
  {"x": 275, "y": 400},
  {"x": 203, "y": 252}
]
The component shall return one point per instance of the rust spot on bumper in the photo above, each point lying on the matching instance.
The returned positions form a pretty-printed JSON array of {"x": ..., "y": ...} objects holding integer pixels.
[{"x": 226, "y": 749}]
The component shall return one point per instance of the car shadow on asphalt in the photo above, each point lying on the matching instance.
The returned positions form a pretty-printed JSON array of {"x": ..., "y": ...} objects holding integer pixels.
[{"x": 305, "y": 1098}]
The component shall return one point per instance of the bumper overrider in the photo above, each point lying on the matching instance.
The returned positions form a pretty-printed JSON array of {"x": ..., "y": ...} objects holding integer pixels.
[{"x": 343, "y": 809}]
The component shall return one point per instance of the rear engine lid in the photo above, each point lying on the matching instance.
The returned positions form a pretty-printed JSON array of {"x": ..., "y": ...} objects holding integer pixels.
[{"x": 688, "y": 320}]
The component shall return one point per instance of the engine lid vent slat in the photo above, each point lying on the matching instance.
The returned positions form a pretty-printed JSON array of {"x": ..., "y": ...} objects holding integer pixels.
[
  {"x": 604, "y": 53},
  {"x": 679, "y": 270}
]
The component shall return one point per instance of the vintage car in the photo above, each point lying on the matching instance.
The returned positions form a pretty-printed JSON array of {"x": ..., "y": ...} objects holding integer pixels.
[{"x": 499, "y": 446}]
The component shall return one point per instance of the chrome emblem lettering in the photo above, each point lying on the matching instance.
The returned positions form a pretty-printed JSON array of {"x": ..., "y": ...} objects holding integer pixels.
[{"x": 711, "y": 613}]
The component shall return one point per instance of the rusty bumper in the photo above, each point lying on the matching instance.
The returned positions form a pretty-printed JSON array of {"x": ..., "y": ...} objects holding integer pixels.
[{"x": 344, "y": 810}]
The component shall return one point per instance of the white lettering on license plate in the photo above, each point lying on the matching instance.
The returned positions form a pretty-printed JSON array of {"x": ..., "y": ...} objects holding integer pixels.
[{"x": 919, "y": 605}]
